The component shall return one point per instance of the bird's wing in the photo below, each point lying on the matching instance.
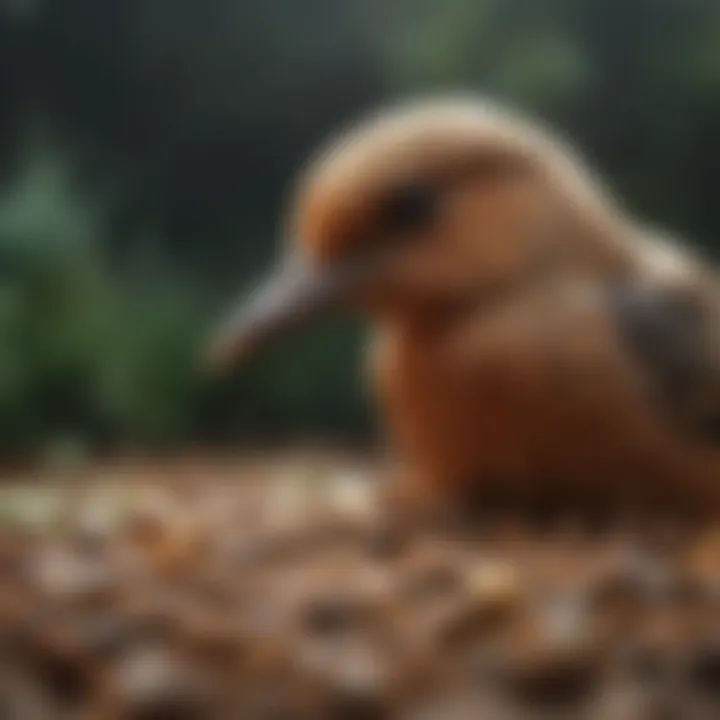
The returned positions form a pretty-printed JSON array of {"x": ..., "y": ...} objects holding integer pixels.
[{"x": 673, "y": 332}]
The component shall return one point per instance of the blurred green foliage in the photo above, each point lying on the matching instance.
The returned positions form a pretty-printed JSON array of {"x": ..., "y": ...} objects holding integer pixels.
[{"x": 147, "y": 146}]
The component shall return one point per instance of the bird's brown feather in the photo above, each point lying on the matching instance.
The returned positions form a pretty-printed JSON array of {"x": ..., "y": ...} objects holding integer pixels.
[{"x": 502, "y": 356}]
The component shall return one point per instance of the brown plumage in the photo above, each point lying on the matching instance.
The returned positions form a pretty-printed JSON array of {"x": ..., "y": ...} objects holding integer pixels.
[{"x": 530, "y": 337}]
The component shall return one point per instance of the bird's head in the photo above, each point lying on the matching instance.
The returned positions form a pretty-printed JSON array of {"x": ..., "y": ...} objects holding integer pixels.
[{"x": 424, "y": 207}]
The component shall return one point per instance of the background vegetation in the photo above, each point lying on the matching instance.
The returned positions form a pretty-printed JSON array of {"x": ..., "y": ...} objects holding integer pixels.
[{"x": 145, "y": 147}]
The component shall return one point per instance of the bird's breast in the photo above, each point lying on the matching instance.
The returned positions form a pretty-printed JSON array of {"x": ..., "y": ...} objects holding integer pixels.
[{"x": 529, "y": 395}]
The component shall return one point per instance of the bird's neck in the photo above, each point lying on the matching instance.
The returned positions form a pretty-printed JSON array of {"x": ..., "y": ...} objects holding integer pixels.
[
  {"x": 603, "y": 253},
  {"x": 429, "y": 320}
]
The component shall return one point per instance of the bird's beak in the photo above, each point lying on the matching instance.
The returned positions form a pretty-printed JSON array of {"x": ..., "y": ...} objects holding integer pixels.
[{"x": 297, "y": 292}]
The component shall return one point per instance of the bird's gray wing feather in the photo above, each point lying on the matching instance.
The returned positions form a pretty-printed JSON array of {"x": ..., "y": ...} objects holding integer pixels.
[{"x": 673, "y": 333}]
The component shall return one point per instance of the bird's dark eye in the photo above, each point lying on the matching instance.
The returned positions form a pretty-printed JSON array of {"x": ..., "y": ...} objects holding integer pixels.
[{"x": 410, "y": 208}]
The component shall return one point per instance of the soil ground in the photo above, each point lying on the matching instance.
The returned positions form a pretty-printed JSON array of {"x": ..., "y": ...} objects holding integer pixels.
[{"x": 274, "y": 586}]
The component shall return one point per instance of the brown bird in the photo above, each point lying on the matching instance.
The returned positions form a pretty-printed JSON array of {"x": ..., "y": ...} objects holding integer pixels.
[{"x": 531, "y": 338}]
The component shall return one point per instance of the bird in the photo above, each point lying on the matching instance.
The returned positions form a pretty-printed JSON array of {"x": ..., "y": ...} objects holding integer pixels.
[{"x": 530, "y": 336}]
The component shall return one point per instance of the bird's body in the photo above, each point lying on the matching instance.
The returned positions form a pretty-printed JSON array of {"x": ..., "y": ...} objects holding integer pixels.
[
  {"x": 537, "y": 398},
  {"x": 529, "y": 337}
]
